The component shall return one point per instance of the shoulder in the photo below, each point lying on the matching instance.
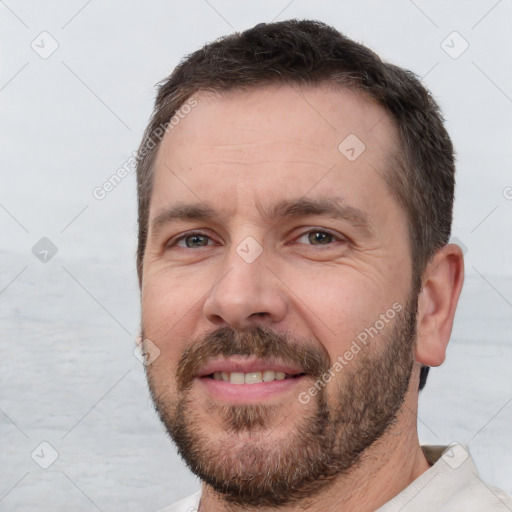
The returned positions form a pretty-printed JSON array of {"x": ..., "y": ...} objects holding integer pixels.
[
  {"x": 452, "y": 484},
  {"x": 189, "y": 504}
]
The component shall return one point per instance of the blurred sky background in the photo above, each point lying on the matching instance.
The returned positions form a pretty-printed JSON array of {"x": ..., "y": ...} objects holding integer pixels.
[{"x": 76, "y": 90}]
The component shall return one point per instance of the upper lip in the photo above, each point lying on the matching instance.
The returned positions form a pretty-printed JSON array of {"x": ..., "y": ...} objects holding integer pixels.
[{"x": 244, "y": 364}]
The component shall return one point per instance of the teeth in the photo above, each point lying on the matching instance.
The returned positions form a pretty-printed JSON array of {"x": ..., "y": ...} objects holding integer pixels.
[
  {"x": 249, "y": 378},
  {"x": 269, "y": 375},
  {"x": 237, "y": 378},
  {"x": 253, "y": 377}
]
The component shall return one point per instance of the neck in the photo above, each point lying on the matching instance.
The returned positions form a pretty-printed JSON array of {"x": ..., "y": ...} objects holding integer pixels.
[{"x": 385, "y": 469}]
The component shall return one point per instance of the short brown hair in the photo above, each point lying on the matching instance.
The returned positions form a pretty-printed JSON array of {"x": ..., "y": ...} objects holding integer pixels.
[{"x": 302, "y": 52}]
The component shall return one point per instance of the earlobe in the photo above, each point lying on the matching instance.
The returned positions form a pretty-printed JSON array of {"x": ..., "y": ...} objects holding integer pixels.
[{"x": 437, "y": 301}]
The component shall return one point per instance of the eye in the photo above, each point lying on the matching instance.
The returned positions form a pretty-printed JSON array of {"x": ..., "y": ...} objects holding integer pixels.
[
  {"x": 191, "y": 240},
  {"x": 318, "y": 237}
]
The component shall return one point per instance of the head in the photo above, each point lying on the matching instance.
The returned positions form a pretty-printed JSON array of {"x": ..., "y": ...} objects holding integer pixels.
[{"x": 293, "y": 216}]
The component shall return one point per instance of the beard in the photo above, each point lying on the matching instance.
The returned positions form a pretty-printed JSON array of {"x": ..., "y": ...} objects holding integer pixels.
[{"x": 247, "y": 462}]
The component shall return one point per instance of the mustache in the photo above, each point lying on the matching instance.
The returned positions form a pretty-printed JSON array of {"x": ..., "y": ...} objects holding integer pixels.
[{"x": 261, "y": 342}]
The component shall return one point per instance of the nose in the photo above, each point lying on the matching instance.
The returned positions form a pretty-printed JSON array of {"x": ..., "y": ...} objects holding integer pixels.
[{"x": 247, "y": 294}]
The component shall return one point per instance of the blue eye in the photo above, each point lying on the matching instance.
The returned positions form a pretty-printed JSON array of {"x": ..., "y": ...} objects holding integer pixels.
[
  {"x": 318, "y": 237},
  {"x": 193, "y": 240},
  {"x": 196, "y": 240}
]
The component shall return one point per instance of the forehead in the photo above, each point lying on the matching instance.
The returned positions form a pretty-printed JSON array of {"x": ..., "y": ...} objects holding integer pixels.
[{"x": 277, "y": 141}]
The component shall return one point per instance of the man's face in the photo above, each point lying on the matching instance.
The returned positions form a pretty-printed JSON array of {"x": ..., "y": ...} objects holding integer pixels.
[{"x": 257, "y": 275}]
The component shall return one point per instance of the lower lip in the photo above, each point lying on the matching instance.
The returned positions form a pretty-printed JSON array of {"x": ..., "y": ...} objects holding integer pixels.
[{"x": 248, "y": 393}]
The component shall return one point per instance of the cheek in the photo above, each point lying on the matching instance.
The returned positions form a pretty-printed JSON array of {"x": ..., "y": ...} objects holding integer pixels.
[
  {"x": 343, "y": 308},
  {"x": 167, "y": 312},
  {"x": 338, "y": 300}
]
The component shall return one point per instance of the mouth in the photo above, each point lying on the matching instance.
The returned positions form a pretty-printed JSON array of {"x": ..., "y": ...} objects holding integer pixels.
[
  {"x": 252, "y": 377},
  {"x": 239, "y": 379}
]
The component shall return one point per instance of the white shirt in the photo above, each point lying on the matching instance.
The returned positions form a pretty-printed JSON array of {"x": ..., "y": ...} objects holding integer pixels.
[{"x": 452, "y": 484}]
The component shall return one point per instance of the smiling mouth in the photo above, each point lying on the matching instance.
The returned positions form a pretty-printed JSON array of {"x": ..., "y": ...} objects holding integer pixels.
[{"x": 252, "y": 377}]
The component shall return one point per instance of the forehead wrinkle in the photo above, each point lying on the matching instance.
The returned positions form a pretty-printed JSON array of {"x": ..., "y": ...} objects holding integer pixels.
[
  {"x": 310, "y": 163},
  {"x": 254, "y": 151},
  {"x": 265, "y": 142}
]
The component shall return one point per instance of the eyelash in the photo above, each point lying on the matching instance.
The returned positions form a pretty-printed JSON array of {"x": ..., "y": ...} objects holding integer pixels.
[{"x": 338, "y": 238}]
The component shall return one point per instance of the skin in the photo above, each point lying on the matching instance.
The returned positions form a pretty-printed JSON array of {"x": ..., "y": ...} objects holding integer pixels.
[{"x": 241, "y": 153}]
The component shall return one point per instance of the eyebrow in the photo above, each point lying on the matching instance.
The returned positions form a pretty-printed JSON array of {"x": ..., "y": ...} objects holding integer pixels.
[{"x": 334, "y": 208}]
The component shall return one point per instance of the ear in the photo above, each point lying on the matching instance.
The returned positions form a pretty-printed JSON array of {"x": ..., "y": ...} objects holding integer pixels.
[{"x": 437, "y": 301}]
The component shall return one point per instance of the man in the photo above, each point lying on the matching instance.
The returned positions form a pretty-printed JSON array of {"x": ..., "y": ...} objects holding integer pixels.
[{"x": 295, "y": 206}]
